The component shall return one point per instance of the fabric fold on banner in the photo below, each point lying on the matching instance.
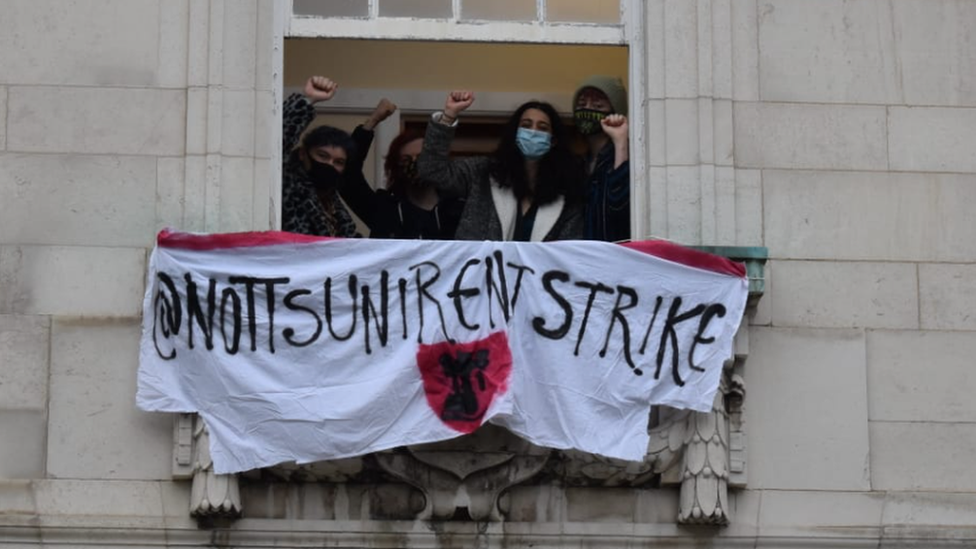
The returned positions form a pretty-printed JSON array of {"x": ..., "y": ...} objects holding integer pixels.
[{"x": 296, "y": 348}]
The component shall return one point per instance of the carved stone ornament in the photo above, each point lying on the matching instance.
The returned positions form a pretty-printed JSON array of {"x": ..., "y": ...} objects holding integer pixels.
[
  {"x": 213, "y": 497},
  {"x": 463, "y": 478}
]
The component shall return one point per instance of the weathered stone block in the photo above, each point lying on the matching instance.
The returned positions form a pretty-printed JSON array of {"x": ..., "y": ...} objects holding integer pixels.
[
  {"x": 723, "y": 135},
  {"x": 24, "y": 343},
  {"x": 831, "y": 137},
  {"x": 656, "y": 43},
  {"x": 744, "y": 516},
  {"x": 106, "y": 500},
  {"x": 721, "y": 49},
  {"x": 929, "y": 509},
  {"x": 96, "y": 431},
  {"x": 806, "y": 411},
  {"x": 681, "y": 46},
  {"x": 80, "y": 44},
  {"x": 69, "y": 199},
  {"x": 922, "y": 456},
  {"x": 947, "y": 297},
  {"x": 745, "y": 51},
  {"x": 935, "y": 53},
  {"x": 921, "y": 376},
  {"x": 170, "y": 175},
  {"x": 87, "y": 120},
  {"x": 824, "y": 514},
  {"x": 615, "y": 505},
  {"x": 237, "y": 194},
  {"x": 17, "y": 496},
  {"x": 831, "y": 51},
  {"x": 886, "y": 217},
  {"x": 657, "y": 134},
  {"x": 681, "y": 119},
  {"x": 3, "y": 118},
  {"x": 83, "y": 281},
  {"x": 23, "y": 434},
  {"x": 237, "y": 134},
  {"x": 264, "y": 200},
  {"x": 196, "y": 120},
  {"x": 748, "y": 208},
  {"x": 174, "y": 30},
  {"x": 899, "y": 52},
  {"x": 932, "y": 139},
  {"x": 264, "y": 120},
  {"x": 845, "y": 295},
  {"x": 239, "y": 44},
  {"x": 684, "y": 209}
]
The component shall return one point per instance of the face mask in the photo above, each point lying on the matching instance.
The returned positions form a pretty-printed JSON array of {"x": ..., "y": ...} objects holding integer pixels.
[
  {"x": 588, "y": 120},
  {"x": 324, "y": 176},
  {"x": 533, "y": 143},
  {"x": 408, "y": 169}
]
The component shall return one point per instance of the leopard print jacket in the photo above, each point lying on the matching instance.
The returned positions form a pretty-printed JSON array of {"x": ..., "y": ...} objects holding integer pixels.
[{"x": 301, "y": 210}]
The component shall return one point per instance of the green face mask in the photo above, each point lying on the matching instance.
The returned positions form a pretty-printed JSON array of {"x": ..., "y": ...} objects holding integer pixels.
[{"x": 588, "y": 120}]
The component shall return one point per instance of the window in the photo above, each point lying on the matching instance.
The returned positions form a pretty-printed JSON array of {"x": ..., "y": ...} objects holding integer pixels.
[{"x": 406, "y": 35}]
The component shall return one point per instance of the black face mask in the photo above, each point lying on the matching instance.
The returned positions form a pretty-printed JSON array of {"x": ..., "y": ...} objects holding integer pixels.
[
  {"x": 407, "y": 174},
  {"x": 408, "y": 169},
  {"x": 588, "y": 120},
  {"x": 324, "y": 176}
]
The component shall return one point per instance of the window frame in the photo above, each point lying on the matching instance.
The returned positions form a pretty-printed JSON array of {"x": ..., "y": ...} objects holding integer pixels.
[{"x": 630, "y": 33}]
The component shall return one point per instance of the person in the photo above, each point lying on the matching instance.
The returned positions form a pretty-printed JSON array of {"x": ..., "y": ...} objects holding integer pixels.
[
  {"x": 528, "y": 190},
  {"x": 312, "y": 173},
  {"x": 409, "y": 207},
  {"x": 600, "y": 113}
]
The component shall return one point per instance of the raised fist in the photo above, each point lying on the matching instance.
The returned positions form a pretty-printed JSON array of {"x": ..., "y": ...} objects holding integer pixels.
[
  {"x": 615, "y": 126},
  {"x": 319, "y": 88},
  {"x": 383, "y": 110},
  {"x": 457, "y": 102}
]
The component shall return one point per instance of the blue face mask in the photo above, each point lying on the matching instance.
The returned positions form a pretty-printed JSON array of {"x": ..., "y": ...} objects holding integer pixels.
[{"x": 533, "y": 143}]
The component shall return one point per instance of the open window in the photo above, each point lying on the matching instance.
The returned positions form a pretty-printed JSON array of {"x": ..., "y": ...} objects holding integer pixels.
[{"x": 413, "y": 51}]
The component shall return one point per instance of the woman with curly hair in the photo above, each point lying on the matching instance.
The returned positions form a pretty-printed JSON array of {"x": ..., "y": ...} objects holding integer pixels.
[{"x": 529, "y": 189}]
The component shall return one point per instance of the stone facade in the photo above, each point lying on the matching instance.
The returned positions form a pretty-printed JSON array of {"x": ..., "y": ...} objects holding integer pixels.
[{"x": 837, "y": 133}]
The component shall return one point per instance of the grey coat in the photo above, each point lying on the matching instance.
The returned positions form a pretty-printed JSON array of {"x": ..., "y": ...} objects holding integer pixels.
[{"x": 490, "y": 210}]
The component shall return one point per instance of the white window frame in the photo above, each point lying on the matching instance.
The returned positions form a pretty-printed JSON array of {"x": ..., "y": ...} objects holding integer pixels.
[{"x": 630, "y": 33}]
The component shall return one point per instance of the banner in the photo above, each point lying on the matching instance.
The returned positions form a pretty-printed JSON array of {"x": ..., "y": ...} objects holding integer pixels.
[{"x": 296, "y": 348}]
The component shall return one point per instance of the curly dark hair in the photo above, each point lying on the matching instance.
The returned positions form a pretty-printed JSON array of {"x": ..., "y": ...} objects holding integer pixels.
[
  {"x": 560, "y": 171},
  {"x": 328, "y": 136},
  {"x": 395, "y": 182}
]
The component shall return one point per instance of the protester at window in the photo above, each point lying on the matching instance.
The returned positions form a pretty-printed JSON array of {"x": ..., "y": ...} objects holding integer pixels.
[
  {"x": 409, "y": 207},
  {"x": 527, "y": 190},
  {"x": 312, "y": 172},
  {"x": 600, "y": 112}
]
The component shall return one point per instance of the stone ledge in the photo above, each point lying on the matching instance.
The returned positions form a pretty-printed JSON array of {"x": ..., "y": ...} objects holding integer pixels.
[{"x": 378, "y": 534}]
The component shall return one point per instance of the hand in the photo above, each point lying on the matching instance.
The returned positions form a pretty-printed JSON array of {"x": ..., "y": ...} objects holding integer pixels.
[
  {"x": 319, "y": 88},
  {"x": 457, "y": 102},
  {"x": 384, "y": 109},
  {"x": 616, "y": 127}
]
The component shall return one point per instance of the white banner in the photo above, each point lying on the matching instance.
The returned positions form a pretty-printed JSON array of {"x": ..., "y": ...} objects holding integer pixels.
[{"x": 302, "y": 349}]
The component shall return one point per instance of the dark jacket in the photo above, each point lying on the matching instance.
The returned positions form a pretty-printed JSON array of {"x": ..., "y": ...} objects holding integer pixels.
[
  {"x": 490, "y": 209},
  {"x": 608, "y": 199},
  {"x": 390, "y": 216}
]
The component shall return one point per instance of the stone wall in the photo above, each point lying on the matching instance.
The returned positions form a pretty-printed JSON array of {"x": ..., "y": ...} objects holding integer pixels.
[
  {"x": 837, "y": 133},
  {"x": 862, "y": 129},
  {"x": 117, "y": 118}
]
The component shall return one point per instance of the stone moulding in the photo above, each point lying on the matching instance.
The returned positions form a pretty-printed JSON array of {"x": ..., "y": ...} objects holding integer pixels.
[{"x": 703, "y": 454}]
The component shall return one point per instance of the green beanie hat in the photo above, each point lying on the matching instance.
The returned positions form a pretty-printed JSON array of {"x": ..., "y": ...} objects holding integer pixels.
[{"x": 611, "y": 86}]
